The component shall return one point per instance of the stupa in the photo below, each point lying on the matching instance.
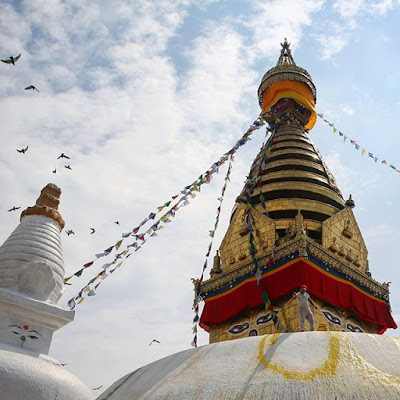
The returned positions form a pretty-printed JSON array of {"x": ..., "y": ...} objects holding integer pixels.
[
  {"x": 290, "y": 226},
  {"x": 31, "y": 283}
]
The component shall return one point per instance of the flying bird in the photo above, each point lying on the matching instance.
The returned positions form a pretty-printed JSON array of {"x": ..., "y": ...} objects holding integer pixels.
[
  {"x": 31, "y": 88},
  {"x": 70, "y": 232},
  {"x": 23, "y": 151},
  {"x": 116, "y": 222},
  {"x": 67, "y": 166},
  {"x": 98, "y": 387},
  {"x": 11, "y": 60},
  {"x": 153, "y": 341},
  {"x": 54, "y": 171},
  {"x": 63, "y": 365},
  {"x": 93, "y": 231},
  {"x": 62, "y": 155},
  {"x": 13, "y": 208}
]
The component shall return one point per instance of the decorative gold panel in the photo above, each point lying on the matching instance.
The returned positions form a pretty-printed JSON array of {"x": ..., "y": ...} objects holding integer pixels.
[
  {"x": 342, "y": 236},
  {"x": 234, "y": 249}
]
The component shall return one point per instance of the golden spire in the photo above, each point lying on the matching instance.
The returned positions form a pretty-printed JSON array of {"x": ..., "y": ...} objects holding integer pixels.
[{"x": 286, "y": 54}]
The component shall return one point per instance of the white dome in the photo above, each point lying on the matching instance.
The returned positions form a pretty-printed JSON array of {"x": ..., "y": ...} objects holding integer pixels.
[
  {"x": 306, "y": 365},
  {"x": 26, "y": 376}
]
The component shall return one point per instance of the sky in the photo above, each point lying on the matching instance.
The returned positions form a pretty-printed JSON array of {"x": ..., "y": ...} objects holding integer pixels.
[{"x": 144, "y": 97}]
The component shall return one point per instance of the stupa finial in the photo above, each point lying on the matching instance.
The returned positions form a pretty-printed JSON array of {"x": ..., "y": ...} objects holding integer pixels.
[
  {"x": 47, "y": 204},
  {"x": 286, "y": 54}
]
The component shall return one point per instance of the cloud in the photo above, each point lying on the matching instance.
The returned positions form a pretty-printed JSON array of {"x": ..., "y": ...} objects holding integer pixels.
[{"x": 272, "y": 21}]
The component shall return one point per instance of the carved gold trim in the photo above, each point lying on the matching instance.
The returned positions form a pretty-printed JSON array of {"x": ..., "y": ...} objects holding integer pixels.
[{"x": 304, "y": 245}]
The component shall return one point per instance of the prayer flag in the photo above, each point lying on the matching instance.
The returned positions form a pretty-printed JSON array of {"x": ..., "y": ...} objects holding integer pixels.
[
  {"x": 98, "y": 255},
  {"x": 266, "y": 300},
  {"x": 363, "y": 151},
  {"x": 196, "y": 318},
  {"x": 136, "y": 230},
  {"x": 108, "y": 251},
  {"x": 92, "y": 293},
  {"x": 97, "y": 285},
  {"x": 154, "y": 234},
  {"x": 384, "y": 162},
  {"x": 118, "y": 244},
  {"x": 152, "y": 215},
  {"x": 81, "y": 300},
  {"x": 194, "y": 342},
  {"x": 371, "y": 155},
  {"x": 144, "y": 221},
  {"x": 357, "y": 146},
  {"x": 125, "y": 235},
  {"x": 87, "y": 265},
  {"x": 79, "y": 273},
  {"x": 71, "y": 304},
  {"x": 352, "y": 141}
]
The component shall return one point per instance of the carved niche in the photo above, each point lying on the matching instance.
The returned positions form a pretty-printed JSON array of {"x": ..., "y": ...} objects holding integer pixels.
[
  {"x": 234, "y": 249},
  {"x": 342, "y": 237}
]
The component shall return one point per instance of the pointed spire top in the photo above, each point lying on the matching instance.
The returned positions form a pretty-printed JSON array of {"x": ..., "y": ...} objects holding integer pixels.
[{"x": 286, "y": 55}]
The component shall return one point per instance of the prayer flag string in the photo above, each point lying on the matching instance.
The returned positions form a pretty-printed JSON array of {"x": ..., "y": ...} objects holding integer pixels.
[
  {"x": 141, "y": 238},
  {"x": 356, "y": 145},
  {"x": 212, "y": 234}
]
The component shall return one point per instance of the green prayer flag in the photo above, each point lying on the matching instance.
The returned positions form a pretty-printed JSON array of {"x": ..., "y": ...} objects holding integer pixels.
[
  {"x": 79, "y": 273},
  {"x": 92, "y": 293}
]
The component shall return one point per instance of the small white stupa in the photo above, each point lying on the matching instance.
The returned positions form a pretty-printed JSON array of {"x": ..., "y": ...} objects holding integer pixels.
[{"x": 31, "y": 283}]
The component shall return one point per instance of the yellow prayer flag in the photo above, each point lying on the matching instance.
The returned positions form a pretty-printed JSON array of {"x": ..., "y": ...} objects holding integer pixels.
[
  {"x": 334, "y": 130},
  {"x": 363, "y": 151},
  {"x": 81, "y": 300},
  {"x": 118, "y": 244}
]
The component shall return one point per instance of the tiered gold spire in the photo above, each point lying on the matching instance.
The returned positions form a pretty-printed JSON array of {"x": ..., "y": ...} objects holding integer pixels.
[{"x": 290, "y": 226}]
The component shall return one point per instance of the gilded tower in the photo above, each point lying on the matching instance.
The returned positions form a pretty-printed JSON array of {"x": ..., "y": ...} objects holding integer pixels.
[{"x": 291, "y": 226}]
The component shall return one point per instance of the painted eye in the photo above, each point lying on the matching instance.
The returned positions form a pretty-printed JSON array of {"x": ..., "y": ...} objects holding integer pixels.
[
  {"x": 353, "y": 328},
  {"x": 332, "y": 318},
  {"x": 17, "y": 333},
  {"x": 32, "y": 337},
  {"x": 239, "y": 328},
  {"x": 264, "y": 319}
]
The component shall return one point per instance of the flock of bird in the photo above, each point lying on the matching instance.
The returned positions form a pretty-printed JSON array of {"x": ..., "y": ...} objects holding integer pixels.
[{"x": 12, "y": 60}]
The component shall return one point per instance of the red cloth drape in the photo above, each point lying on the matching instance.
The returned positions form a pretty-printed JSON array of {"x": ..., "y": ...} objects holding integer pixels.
[{"x": 337, "y": 291}]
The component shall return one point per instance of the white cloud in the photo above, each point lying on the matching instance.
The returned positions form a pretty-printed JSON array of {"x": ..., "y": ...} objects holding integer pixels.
[
  {"x": 272, "y": 21},
  {"x": 349, "y": 9}
]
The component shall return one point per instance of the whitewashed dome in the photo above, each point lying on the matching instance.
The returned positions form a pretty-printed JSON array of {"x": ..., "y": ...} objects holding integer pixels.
[
  {"x": 25, "y": 376},
  {"x": 302, "y": 365},
  {"x": 31, "y": 260}
]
